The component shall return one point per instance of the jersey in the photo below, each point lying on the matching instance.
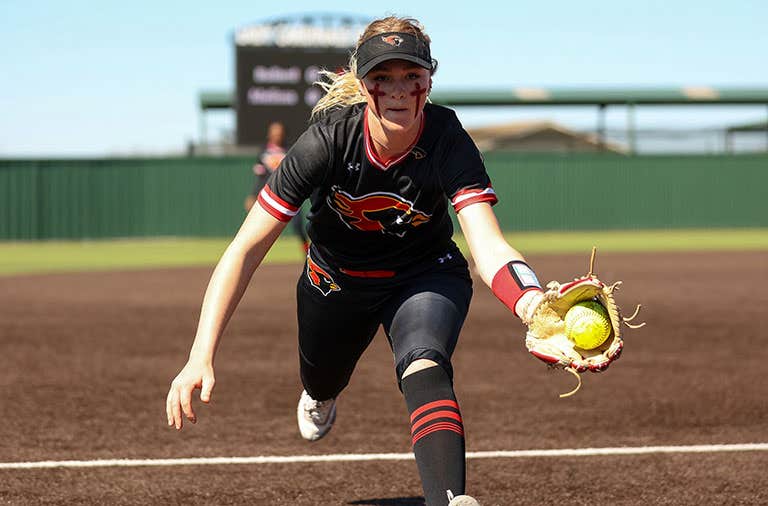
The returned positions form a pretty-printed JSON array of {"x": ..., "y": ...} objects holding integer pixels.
[{"x": 373, "y": 215}]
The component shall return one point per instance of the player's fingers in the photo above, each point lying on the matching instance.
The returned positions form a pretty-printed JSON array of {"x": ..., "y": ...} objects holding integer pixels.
[
  {"x": 186, "y": 402},
  {"x": 175, "y": 407},
  {"x": 207, "y": 389},
  {"x": 168, "y": 410}
]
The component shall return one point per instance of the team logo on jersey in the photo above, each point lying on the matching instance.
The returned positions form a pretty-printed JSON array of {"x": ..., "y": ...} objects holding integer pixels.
[
  {"x": 320, "y": 279},
  {"x": 392, "y": 40},
  {"x": 418, "y": 153},
  {"x": 376, "y": 212}
]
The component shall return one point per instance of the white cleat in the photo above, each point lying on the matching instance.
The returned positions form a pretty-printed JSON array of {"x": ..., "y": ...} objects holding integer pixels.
[
  {"x": 315, "y": 417},
  {"x": 463, "y": 500}
]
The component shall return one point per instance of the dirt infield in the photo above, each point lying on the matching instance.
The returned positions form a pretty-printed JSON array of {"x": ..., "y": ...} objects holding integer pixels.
[{"x": 88, "y": 358}]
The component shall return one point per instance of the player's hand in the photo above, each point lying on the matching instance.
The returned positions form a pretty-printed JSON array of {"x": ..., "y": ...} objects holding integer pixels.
[
  {"x": 528, "y": 304},
  {"x": 178, "y": 404}
]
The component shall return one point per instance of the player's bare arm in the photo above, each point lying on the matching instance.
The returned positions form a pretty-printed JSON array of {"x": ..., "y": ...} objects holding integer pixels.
[
  {"x": 486, "y": 242},
  {"x": 225, "y": 289},
  {"x": 496, "y": 260}
]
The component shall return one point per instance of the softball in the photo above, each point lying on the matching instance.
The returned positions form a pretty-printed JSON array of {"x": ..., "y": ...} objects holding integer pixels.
[{"x": 587, "y": 324}]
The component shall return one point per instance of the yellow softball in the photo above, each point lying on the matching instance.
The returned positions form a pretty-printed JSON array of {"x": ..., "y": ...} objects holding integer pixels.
[{"x": 587, "y": 324}]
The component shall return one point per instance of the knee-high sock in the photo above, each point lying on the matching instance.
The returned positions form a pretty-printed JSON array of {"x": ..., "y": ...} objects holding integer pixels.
[{"x": 437, "y": 433}]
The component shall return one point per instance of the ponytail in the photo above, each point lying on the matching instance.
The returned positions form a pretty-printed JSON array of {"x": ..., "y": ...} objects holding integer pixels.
[{"x": 340, "y": 90}]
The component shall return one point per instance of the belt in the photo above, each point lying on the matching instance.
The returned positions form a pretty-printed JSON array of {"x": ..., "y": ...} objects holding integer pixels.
[{"x": 368, "y": 274}]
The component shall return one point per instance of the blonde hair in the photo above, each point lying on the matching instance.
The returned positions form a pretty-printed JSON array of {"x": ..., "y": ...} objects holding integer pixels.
[{"x": 341, "y": 89}]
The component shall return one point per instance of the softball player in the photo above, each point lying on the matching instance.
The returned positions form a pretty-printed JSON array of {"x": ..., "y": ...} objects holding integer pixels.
[
  {"x": 269, "y": 161},
  {"x": 380, "y": 167}
]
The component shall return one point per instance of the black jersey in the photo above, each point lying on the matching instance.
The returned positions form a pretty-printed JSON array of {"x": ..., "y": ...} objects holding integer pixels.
[{"x": 374, "y": 215}]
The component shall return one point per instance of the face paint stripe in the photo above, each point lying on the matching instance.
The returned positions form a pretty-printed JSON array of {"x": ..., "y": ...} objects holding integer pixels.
[
  {"x": 376, "y": 93},
  {"x": 418, "y": 92}
]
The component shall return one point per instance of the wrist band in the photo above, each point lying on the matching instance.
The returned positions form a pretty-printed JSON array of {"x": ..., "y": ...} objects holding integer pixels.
[{"x": 512, "y": 281}]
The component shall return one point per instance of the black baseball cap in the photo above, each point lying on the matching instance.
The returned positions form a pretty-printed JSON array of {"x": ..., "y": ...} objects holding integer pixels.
[{"x": 392, "y": 46}]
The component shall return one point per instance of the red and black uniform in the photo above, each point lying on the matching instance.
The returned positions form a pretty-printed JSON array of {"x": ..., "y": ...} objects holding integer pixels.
[{"x": 381, "y": 252}]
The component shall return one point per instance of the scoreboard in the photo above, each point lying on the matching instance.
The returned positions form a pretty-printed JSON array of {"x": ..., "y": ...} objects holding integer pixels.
[{"x": 276, "y": 66}]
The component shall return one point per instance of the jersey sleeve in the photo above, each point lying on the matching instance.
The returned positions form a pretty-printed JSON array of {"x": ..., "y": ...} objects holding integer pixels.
[
  {"x": 464, "y": 177},
  {"x": 303, "y": 169}
]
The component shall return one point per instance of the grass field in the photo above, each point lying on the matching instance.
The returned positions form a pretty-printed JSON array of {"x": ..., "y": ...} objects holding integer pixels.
[{"x": 60, "y": 256}]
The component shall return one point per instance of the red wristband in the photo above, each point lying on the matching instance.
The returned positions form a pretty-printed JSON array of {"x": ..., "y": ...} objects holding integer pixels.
[{"x": 512, "y": 281}]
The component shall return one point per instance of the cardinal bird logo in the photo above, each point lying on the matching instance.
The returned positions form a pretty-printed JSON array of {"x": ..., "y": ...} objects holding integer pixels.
[
  {"x": 377, "y": 212},
  {"x": 392, "y": 40},
  {"x": 320, "y": 279}
]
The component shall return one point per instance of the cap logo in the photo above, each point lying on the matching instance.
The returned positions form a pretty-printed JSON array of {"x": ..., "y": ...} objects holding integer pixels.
[{"x": 392, "y": 40}]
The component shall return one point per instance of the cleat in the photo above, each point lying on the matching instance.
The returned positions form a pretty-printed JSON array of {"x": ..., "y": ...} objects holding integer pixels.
[
  {"x": 315, "y": 417},
  {"x": 463, "y": 500}
]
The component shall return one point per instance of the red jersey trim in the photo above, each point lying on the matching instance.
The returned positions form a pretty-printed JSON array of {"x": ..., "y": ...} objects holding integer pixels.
[
  {"x": 370, "y": 153},
  {"x": 276, "y": 206},
  {"x": 468, "y": 197}
]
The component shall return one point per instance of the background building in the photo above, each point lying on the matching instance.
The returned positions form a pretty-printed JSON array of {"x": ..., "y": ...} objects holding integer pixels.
[{"x": 539, "y": 136}]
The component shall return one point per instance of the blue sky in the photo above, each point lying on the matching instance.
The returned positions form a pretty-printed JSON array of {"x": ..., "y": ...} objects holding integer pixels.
[{"x": 115, "y": 78}]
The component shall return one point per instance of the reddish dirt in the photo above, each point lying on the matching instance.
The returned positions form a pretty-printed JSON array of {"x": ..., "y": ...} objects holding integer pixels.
[{"x": 88, "y": 358}]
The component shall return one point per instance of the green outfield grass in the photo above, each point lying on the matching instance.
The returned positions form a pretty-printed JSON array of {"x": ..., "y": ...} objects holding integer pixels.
[{"x": 59, "y": 256}]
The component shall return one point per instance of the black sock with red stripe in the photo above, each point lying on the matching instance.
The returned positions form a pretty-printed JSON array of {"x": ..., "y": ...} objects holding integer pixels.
[{"x": 437, "y": 433}]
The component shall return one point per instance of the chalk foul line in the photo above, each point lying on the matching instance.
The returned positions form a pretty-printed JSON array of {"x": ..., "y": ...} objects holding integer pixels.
[{"x": 351, "y": 457}]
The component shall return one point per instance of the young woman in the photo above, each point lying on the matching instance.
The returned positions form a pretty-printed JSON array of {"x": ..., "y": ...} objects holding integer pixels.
[{"x": 380, "y": 166}]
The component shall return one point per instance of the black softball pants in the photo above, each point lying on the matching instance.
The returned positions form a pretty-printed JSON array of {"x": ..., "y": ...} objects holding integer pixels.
[{"x": 421, "y": 316}]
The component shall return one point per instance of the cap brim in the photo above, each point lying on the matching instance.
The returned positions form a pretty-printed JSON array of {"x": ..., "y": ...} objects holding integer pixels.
[{"x": 363, "y": 70}]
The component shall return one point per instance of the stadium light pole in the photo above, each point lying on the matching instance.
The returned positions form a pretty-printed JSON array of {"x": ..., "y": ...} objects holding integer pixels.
[
  {"x": 202, "y": 127},
  {"x": 601, "y": 127},
  {"x": 631, "y": 128}
]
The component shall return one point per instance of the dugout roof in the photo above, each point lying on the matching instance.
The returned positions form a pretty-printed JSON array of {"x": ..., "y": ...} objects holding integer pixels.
[
  {"x": 750, "y": 127},
  {"x": 602, "y": 98},
  {"x": 563, "y": 96}
]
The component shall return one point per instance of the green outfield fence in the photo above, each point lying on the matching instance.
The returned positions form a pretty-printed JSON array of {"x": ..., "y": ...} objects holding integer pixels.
[{"x": 90, "y": 199}]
